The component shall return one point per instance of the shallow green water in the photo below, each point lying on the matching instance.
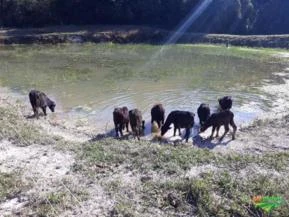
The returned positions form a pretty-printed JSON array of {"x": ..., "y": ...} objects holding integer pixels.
[{"x": 92, "y": 79}]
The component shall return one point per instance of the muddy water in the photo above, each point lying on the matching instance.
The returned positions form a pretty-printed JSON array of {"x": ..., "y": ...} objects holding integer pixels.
[{"x": 89, "y": 80}]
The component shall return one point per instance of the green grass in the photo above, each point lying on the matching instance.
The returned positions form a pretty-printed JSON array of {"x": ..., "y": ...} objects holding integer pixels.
[
  {"x": 224, "y": 192},
  {"x": 51, "y": 204},
  {"x": 56, "y": 202},
  {"x": 146, "y": 156},
  {"x": 17, "y": 129},
  {"x": 10, "y": 185}
]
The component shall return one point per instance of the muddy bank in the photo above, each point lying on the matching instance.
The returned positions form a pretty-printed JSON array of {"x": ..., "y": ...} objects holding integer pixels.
[{"x": 131, "y": 34}]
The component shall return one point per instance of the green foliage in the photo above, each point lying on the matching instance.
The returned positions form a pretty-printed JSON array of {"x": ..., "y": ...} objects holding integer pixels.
[
  {"x": 43, "y": 12},
  {"x": 228, "y": 16}
]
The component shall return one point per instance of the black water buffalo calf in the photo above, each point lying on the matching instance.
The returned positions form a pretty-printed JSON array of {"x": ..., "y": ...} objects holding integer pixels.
[
  {"x": 180, "y": 119},
  {"x": 39, "y": 99},
  {"x": 158, "y": 114},
  {"x": 136, "y": 122},
  {"x": 120, "y": 119},
  {"x": 203, "y": 113},
  {"x": 225, "y": 102},
  {"x": 219, "y": 119}
]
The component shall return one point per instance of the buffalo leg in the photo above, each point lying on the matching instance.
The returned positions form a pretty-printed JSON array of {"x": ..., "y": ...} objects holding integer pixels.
[
  {"x": 35, "y": 110},
  {"x": 121, "y": 126},
  {"x": 116, "y": 130},
  {"x": 179, "y": 131},
  {"x": 218, "y": 128},
  {"x": 44, "y": 110},
  {"x": 188, "y": 133},
  {"x": 175, "y": 130},
  {"x": 226, "y": 131},
  {"x": 232, "y": 123},
  {"x": 138, "y": 134},
  {"x": 213, "y": 130},
  {"x": 201, "y": 123}
]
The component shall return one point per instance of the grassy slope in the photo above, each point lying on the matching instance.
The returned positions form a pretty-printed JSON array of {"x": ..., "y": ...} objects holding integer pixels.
[
  {"x": 148, "y": 179},
  {"x": 21, "y": 133},
  {"x": 204, "y": 183}
]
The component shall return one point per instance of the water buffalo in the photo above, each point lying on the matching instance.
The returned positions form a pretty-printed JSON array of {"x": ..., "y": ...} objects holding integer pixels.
[
  {"x": 225, "y": 102},
  {"x": 136, "y": 122},
  {"x": 216, "y": 120},
  {"x": 158, "y": 114},
  {"x": 203, "y": 113},
  {"x": 180, "y": 119},
  {"x": 120, "y": 119},
  {"x": 38, "y": 100}
]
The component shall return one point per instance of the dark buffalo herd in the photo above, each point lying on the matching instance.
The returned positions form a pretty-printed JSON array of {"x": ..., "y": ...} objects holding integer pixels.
[
  {"x": 122, "y": 117},
  {"x": 184, "y": 119}
]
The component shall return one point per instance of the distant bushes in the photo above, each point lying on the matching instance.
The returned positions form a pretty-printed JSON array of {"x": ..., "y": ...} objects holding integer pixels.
[
  {"x": 25, "y": 12},
  {"x": 222, "y": 16},
  {"x": 22, "y": 13}
]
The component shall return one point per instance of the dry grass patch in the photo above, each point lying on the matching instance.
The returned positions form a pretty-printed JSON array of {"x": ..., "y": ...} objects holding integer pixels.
[
  {"x": 150, "y": 179},
  {"x": 15, "y": 128},
  {"x": 10, "y": 185}
]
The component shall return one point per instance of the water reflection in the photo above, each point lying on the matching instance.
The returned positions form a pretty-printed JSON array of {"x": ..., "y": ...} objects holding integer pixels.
[{"x": 90, "y": 80}]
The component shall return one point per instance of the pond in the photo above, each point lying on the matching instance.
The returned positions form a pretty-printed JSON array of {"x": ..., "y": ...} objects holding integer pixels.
[{"x": 89, "y": 80}]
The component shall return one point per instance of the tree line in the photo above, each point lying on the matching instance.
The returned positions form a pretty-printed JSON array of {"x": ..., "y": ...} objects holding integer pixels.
[
  {"x": 23, "y": 13},
  {"x": 222, "y": 16}
]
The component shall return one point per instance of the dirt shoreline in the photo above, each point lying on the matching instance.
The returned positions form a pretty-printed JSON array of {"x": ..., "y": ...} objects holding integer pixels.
[{"x": 131, "y": 34}]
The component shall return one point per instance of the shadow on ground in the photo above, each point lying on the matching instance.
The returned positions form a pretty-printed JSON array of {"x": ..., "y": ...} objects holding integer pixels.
[{"x": 200, "y": 142}]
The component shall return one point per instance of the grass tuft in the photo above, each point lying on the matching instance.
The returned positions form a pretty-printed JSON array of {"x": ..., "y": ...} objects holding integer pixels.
[
  {"x": 10, "y": 185},
  {"x": 17, "y": 129}
]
